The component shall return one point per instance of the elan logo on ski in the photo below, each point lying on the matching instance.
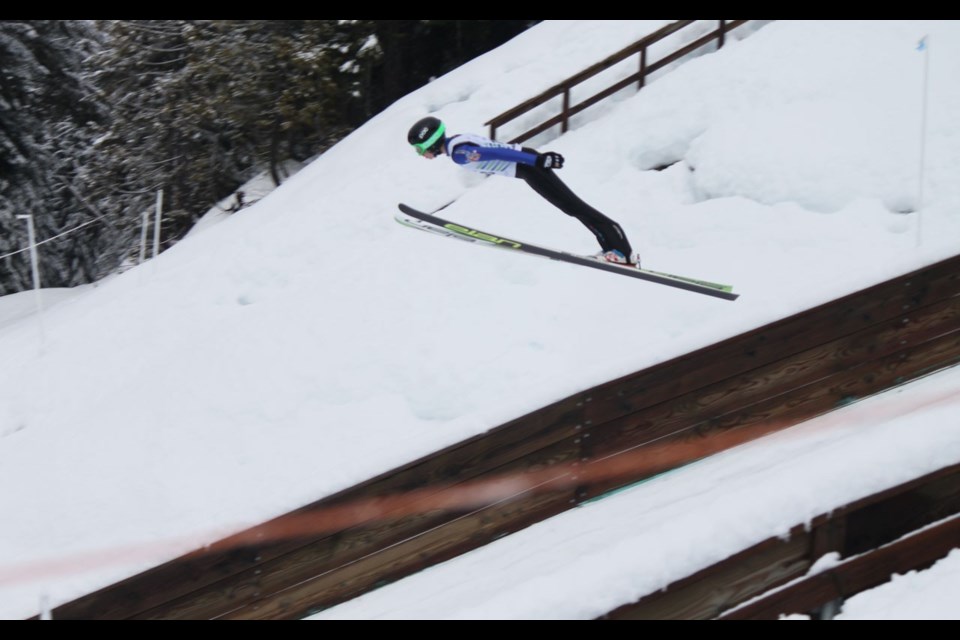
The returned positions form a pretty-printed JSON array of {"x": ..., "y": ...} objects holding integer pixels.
[
  {"x": 480, "y": 235},
  {"x": 410, "y": 217}
]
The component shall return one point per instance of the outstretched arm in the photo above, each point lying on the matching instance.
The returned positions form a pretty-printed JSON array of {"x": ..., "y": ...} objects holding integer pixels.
[{"x": 466, "y": 152}]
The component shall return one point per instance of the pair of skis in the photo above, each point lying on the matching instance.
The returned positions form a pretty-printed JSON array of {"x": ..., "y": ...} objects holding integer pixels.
[{"x": 415, "y": 219}]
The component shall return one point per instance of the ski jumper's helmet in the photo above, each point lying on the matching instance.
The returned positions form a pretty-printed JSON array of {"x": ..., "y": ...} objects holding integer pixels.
[{"x": 427, "y": 135}]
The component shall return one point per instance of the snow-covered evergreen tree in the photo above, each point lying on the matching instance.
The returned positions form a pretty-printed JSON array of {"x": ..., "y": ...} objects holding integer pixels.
[
  {"x": 48, "y": 113},
  {"x": 96, "y": 116}
]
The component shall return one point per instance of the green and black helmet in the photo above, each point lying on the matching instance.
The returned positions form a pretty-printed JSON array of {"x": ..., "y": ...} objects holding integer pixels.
[{"x": 427, "y": 135}]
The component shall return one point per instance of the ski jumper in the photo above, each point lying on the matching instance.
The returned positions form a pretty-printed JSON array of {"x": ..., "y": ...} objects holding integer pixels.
[{"x": 486, "y": 156}]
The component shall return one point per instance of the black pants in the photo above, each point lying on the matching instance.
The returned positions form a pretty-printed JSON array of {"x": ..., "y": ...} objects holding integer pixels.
[{"x": 547, "y": 184}]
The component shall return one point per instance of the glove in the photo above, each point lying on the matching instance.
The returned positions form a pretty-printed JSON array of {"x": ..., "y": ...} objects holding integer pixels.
[{"x": 550, "y": 160}]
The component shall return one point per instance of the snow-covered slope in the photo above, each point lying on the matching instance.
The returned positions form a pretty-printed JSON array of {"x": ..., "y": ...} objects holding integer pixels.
[{"x": 309, "y": 342}]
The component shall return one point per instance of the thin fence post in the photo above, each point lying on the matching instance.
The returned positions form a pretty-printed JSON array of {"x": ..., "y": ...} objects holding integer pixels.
[
  {"x": 45, "y": 612},
  {"x": 35, "y": 268},
  {"x": 566, "y": 110},
  {"x": 143, "y": 235},
  {"x": 34, "y": 261},
  {"x": 643, "y": 68},
  {"x": 924, "y": 46},
  {"x": 156, "y": 224}
]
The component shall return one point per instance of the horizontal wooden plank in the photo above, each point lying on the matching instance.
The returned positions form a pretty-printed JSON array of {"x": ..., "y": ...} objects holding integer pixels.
[
  {"x": 712, "y": 591},
  {"x": 624, "y": 54},
  {"x": 913, "y": 553},
  {"x": 782, "y": 411},
  {"x": 775, "y": 379},
  {"x": 431, "y": 547},
  {"x": 638, "y": 78},
  {"x": 470, "y": 459},
  {"x": 911, "y": 508},
  {"x": 775, "y": 341},
  {"x": 587, "y": 73},
  {"x": 720, "y": 589},
  {"x": 233, "y": 575}
]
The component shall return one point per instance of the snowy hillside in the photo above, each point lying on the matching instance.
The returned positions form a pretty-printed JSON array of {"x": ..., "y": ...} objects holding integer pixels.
[{"x": 309, "y": 342}]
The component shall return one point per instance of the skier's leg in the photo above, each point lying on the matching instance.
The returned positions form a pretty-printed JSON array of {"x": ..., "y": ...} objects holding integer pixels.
[{"x": 546, "y": 183}]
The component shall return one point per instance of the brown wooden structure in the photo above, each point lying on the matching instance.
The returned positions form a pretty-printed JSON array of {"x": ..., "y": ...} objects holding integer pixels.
[
  {"x": 779, "y": 374},
  {"x": 640, "y": 49},
  {"x": 905, "y": 528}
]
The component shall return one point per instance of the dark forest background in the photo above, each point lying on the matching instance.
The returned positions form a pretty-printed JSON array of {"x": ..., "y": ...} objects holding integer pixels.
[{"x": 96, "y": 116}]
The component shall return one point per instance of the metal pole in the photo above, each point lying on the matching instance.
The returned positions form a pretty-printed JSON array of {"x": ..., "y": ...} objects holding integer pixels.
[
  {"x": 143, "y": 235},
  {"x": 34, "y": 262},
  {"x": 156, "y": 224},
  {"x": 35, "y": 267},
  {"x": 923, "y": 46},
  {"x": 45, "y": 613}
]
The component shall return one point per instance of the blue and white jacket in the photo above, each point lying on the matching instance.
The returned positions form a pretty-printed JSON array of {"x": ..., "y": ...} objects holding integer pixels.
[{"x": 487, "y": 156}]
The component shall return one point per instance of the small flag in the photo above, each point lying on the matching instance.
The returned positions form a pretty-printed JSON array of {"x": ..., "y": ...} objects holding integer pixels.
[{"x": 922, "y": 45}]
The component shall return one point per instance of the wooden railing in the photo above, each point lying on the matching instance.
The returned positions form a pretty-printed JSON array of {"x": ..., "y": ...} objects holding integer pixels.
[
  {"x": 902, "y": 529},
  {"x": 639, "y": 48},
  {"x": 780, "y": 374}
]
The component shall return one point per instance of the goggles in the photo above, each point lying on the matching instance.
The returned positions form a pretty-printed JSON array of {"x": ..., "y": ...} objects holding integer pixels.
[{"x": 422, "y": 147}]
